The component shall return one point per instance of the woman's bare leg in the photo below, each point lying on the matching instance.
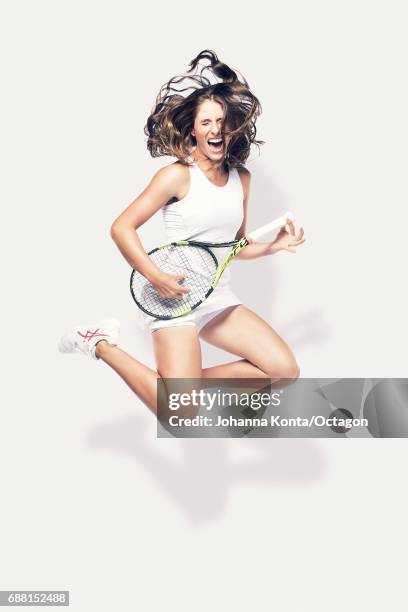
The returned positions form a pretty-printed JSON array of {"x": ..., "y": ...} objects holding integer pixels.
[
  {"x": 140, "y": 378},
  {"x": 241, "y": 332},
  {"x": 178, "y": 355}
]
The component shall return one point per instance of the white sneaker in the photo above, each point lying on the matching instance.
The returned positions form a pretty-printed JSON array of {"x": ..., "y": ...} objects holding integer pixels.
[{"x": 83, "y": 339}]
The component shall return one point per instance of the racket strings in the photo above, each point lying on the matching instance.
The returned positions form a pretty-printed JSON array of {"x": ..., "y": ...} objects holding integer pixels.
[{"x": 198, "y": 267}]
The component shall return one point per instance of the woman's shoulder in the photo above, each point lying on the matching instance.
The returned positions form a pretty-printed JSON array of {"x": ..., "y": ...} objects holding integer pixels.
[
  {"x": 245, "y": 176},
  {"x": 175, "y": 174},
  {"x": 175, "y": 170},
  {"x": 243, "y": 172}
]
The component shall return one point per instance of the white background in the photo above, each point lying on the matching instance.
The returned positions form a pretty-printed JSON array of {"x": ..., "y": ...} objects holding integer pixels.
[{"x": 91, "y": 501}]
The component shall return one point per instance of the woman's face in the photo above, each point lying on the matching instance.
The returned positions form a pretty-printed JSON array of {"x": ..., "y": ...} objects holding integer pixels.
[{"x": 209, "y": 130}]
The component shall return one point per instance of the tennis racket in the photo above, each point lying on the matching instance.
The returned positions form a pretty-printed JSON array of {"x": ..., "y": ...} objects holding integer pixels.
[{"x": 199, "y": 266}]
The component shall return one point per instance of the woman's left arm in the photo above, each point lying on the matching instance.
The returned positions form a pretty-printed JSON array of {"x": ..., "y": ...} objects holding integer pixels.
[{"x": 284, "y": 241}]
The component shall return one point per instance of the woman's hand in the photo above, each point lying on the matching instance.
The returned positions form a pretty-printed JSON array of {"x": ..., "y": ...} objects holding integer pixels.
[
  {"x": 167, "y": 285},
  {"x": 287, "y": 240},
  {"x": 284, "y": 241}
]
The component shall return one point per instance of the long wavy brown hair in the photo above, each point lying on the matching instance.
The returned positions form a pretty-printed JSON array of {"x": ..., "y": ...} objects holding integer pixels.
[{"x": 169, "y": 126}]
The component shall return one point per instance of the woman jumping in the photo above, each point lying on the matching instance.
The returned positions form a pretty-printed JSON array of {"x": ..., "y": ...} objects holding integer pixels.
[{"x": 203, "y": 196}]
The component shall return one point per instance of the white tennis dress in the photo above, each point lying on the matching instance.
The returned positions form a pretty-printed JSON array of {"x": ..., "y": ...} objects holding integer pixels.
[{"x": 207, "y": 213}]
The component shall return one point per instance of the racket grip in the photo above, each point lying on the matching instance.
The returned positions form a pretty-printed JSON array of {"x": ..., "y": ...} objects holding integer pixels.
[{"x": 270, "y": 227}]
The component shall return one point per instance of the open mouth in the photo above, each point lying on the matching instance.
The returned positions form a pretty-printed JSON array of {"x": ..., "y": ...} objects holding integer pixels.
[{"x": 215, "y": 144}]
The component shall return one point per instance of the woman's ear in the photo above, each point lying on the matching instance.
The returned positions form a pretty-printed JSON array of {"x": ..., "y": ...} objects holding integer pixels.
[{"x": 193, "y": 132}]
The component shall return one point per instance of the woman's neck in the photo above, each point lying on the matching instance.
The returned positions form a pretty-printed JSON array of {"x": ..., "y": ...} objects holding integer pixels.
[{"x": 215, "y": 169}]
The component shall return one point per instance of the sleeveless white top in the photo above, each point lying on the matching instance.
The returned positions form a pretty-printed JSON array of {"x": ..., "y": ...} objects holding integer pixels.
[{"x": 207, "y": 213}]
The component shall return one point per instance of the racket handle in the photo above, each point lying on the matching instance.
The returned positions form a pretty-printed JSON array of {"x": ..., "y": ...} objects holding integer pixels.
[{"x": 273, "y": 225}]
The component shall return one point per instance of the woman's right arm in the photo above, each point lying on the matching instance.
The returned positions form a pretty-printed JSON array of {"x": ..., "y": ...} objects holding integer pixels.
[{"x": 167, "y": 183}]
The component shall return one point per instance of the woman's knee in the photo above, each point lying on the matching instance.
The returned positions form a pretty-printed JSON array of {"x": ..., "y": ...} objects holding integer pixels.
[
  {"x": 179, "y": 394},
  {"x": 286, "y": 367},
  {"x": 181, "y": 372}
]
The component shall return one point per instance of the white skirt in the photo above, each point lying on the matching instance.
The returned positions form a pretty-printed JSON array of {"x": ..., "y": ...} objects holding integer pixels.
[{"x": 221, "y": 298}]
